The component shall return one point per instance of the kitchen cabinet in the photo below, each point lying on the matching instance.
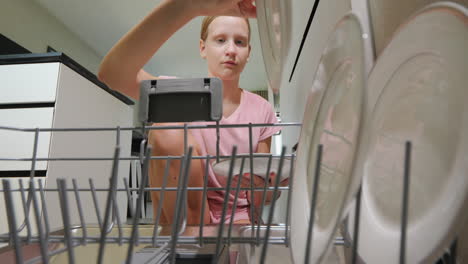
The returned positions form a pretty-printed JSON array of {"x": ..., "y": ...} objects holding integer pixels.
[{"x": 52, "y": 91}]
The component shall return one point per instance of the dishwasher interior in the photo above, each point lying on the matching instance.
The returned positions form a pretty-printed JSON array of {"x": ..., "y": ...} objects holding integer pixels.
[
  {"x": 378, "y": 176},
  {"x": 73, "y": 231},
  {"x": 76, "y": 231}
]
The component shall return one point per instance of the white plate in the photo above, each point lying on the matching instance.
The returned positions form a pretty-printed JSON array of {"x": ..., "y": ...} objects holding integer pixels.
[
  {"x": 387, "y": 16},
  {"x": 417, "y": 91},
  {"x": 332, "y": 118},
  {"x": 260, "y": 167},
  {"x": 274, "y": 27}
]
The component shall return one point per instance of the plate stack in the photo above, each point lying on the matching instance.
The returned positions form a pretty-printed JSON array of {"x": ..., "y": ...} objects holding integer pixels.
[{"x": 416, "y": 92}]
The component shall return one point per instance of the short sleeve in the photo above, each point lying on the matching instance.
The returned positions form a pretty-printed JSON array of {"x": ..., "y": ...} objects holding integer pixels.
[{"x": 269, "y": 118}]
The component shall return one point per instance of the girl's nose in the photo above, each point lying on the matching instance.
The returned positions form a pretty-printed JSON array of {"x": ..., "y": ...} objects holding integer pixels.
[{"x": 231, "y": 48}]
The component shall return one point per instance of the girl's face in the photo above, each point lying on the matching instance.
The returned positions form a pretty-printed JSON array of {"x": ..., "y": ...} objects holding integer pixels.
[{"x": 226, "y": 48}]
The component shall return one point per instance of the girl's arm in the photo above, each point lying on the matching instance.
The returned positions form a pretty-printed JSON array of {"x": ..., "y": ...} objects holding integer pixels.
[
  {"x": 264, "y": 147},
  {"x": 121, "y": 68}
]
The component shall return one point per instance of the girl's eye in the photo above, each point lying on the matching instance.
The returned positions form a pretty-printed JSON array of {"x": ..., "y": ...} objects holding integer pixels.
[
  {"x": 220, "y": 40},
  {"x": 241, "y": 42}
]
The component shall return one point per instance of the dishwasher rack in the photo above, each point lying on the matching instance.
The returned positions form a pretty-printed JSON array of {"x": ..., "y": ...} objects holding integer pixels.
[
  {"x": 166, "y": 238},
  {"x": 162, "y": 242}
]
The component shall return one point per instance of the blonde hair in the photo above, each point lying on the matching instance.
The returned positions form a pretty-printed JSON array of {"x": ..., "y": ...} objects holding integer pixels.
[{"x": 207, "y": 21}]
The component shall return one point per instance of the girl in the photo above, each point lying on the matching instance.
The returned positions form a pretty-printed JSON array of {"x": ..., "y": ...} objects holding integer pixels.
[{"x": 224, "y": 44}]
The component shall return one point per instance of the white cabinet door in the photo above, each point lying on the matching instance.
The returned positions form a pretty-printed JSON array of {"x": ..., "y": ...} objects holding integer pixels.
[
  {"x": 81, "y": 104},
  {"x": 28, "y": 83},
  {"x": 19, "y": 144}
]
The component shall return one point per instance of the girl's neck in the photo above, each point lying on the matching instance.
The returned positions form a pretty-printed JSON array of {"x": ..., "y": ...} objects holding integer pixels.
[{"x": 231, "y": 91}]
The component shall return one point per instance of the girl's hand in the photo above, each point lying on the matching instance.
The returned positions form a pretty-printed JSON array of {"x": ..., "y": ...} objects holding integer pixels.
[
  {"x": 258, "y": 196},
  {"x": 245, "y": 181},
  {"x": 257, "y": 181},
  {"x": 242, "y": 8}
]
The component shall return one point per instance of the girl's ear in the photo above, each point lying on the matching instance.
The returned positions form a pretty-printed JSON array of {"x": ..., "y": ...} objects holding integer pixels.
[{"x": 202, "y": 49}]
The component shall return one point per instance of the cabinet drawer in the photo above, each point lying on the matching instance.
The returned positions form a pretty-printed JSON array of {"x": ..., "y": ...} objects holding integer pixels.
[
  {"x": 19, "y": 144},
  {"x": 28, "y": 83}
]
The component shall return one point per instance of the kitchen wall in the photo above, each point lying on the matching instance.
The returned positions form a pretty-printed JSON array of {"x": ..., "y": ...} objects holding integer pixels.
[{"x": 34, "y": 28}]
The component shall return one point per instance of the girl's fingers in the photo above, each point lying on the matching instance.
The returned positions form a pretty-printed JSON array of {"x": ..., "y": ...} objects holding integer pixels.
[
  {"x": 247, "y": 9},
  {"x": 241, "y": 8},
  {"x": 285, "y": 182},
  {"x": 258, "y": 181}
]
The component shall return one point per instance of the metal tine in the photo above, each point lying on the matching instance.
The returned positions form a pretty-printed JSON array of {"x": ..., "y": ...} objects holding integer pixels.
[
  {"x": 137, "y": 182},
  {"x": 142, "y": 149},
  {"x": 25, "y": 205},
  {"x": 110, "y": 197},
  {"x": 117, "y": 219},
  {"x": 184, "y": 192},
  {"x": 115, "y": 207},
  {"x": 272, "y": 208},
  {"x": 453, "y": 252},
  {"x": 234, "y": 205},
  {"x": 14, "y": 238},
  {"x": 313, "y": 203},
  {"x": 205, "y": 189},
  {"x": 26, "y": 211},
  {"x": 181, "y": 202},
  {"x": 34, "y": 156},
  {"x": 217, "y": 141},
  {"x": 33, "y": 163},
  {"x": 288, "y": 207},
  {"x": 183, "y": 225},
  {"x": 143, "y": 131},
  {"x": 44, "y": 211},
  {"x": 96, "y": 205},
  {"x": 117, "y": 137},
  {"x": 80, "y": 212},
  {"x": 37, "y": 214},
  {"x": 405, "y": 205},
  {"x": 136, "y": 216},
  {"x": 160, "y": 203},
  {"x": 225, "y": 203},
  {"x": 31, "y": 176},
  {"x": 129, "y": 198},
  {"x": 185, "y": 138},
  {"x": 262, "y": 205},
  {"x": 61, "y": 183},
  {"x": 357, "y": 218},
  {"x": 252, "y": 208}
]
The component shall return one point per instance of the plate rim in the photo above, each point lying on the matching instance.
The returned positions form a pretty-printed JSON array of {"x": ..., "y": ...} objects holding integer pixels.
[
  {"x": 274, "y": 75},
  {"x": 370, "y": 107},
  {"x": 316, "y": 110}
]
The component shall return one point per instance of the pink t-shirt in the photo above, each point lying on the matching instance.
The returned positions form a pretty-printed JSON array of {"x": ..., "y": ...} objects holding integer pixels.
[{"x": 252, "y": 109}]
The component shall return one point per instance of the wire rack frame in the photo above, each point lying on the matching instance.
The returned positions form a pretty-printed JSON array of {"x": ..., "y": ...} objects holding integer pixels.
[
  {"x": 166, "y": 243},
  {"x": 45, "y": 236}
]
